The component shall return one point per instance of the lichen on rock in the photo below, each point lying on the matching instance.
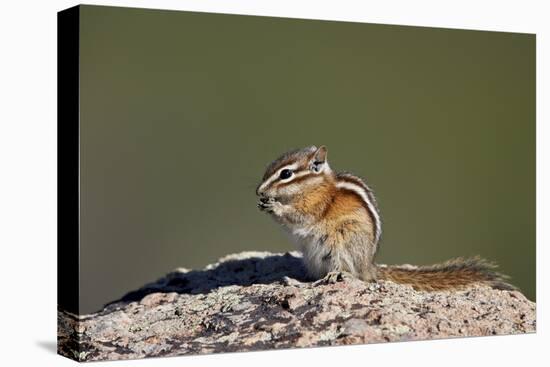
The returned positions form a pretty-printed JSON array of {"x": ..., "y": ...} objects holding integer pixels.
[{"x": 260, "y": 300}]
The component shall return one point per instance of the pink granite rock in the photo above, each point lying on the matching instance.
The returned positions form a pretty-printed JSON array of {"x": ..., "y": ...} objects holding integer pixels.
[{"x": 258, "y": 300}]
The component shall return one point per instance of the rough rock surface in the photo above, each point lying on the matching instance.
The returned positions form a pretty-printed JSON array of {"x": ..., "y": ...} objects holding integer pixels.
[{"x": 259, "y": 300}]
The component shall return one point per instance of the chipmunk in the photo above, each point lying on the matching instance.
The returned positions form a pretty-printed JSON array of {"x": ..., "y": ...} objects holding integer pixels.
[{"x": 335, "y": 221}]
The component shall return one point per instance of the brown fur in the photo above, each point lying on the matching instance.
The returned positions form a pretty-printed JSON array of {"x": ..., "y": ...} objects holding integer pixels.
[
  {"x": 358, "y": 181},
  {"x": 347, "y": 207},
  {"x": 350, "y": 202},
  {"x": 316, "y": 200}
]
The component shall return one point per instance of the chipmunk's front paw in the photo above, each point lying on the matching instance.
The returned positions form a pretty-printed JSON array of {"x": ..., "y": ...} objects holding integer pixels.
[
  {"x": 270, "y": 205},
  {"x": 333, "y": 277},
  {"x": 266, "y": 204}
]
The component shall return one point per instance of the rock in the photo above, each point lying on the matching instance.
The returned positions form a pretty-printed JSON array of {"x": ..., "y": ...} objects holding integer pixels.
[{"x": 259, "y": 300}]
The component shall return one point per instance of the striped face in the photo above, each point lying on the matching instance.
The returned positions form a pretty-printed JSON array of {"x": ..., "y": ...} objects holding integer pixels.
[
  {"x": 303, "y": 176},
  {"x": 293, "y": 172}
]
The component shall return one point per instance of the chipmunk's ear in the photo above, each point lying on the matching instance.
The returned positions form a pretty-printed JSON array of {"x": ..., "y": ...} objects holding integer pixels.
[{"x": 319, "y": 160}]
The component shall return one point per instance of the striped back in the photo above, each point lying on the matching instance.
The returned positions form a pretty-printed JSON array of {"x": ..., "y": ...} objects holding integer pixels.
[{"x": 354, "y": 184}]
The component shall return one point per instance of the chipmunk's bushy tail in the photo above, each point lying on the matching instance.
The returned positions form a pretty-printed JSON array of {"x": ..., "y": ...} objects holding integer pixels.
[{"x": 457, "y": 273}]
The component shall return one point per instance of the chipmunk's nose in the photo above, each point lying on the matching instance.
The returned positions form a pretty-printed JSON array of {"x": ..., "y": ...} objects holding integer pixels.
[{"x": 259, "y": 190}]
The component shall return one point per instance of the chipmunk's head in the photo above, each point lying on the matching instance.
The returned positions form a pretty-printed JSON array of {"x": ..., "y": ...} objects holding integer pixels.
[{"x": 294, "y": 173}]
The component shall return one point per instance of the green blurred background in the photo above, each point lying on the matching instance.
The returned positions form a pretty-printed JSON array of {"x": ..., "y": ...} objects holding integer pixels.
[{"x": 181, "y": 112}]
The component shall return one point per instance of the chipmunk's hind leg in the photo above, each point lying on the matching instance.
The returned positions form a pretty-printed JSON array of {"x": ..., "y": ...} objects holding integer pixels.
[
  {"x": 351, "y": 261},
  {"x": 334, "y": 277}
]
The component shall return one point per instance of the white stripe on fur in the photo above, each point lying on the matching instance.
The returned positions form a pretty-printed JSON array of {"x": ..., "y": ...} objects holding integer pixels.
[
  {"x": 363, "y": 194},
  {"x": 276, "y": 175}
]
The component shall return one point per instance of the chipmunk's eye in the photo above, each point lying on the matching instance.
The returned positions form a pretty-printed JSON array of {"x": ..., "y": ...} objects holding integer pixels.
[{"x": 286, "y": 173}]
